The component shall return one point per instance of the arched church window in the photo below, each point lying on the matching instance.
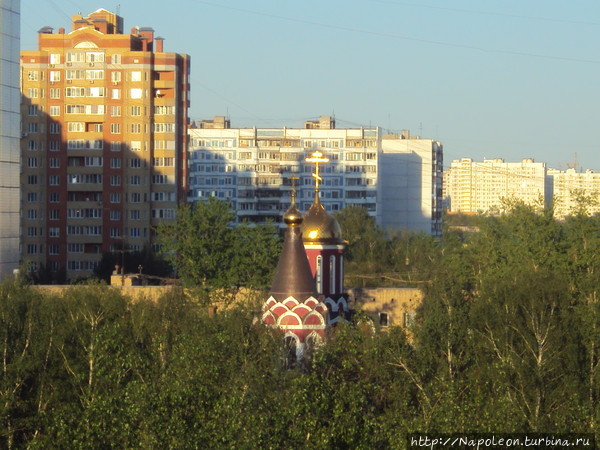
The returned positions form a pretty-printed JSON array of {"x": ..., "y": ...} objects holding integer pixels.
[
  {"x": 319, "y": 274},
  {"x": 332, "y": 274},
  {"x": 341, "y": 273}
]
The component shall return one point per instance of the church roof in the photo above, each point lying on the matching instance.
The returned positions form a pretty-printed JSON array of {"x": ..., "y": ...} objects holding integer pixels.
[
  {"x": 319, "y": 226},
  {"x": 293, "y": 277}
]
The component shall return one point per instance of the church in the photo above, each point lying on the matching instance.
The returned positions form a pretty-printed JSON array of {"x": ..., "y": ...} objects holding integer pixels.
[{"x": 307, "y": 295}]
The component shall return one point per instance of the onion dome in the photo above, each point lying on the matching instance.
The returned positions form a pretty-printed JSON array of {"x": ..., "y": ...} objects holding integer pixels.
[
  {"x": 319, "y": 226},
  {"x": 293, "y": 277}
]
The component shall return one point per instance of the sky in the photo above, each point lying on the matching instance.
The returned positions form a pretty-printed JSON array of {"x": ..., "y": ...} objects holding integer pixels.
[{"x": 508, "y": 79}]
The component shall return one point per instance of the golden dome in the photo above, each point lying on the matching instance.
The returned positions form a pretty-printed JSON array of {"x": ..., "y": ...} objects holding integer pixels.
[
  {"x": 319, "y": 225},
  {"x": 292, "y": 216}
]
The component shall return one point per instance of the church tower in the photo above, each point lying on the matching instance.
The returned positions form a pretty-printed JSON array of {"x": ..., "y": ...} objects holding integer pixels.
[
  {"x": 322, "y": 238},
  {"x": 293, "y": 305}
]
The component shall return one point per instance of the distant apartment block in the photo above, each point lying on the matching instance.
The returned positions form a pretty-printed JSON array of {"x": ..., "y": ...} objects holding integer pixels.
[
  {"x": 570, "y": 186},
  {"x": 9, "y": 136},
  {"x": 411, "y": 177},
  {"x": 254, "y": 168},
  {"x": 473, "y": 187},
  {"x": 104, "y": 141}
]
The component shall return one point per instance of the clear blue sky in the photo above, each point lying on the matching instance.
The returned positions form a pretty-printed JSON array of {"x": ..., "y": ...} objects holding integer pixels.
[{"x": 495, "y": 78}]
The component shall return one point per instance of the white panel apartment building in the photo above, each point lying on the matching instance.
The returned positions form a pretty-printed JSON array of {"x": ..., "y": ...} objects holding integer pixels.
[
  {"x": 253, "y": 168},
  {"x": 478, "y": 187},
  {"x": 567, "y": 188},
  {"x": 10, "y": 99}
]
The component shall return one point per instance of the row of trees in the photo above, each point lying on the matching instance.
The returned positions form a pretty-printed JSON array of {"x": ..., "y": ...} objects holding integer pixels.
[{"x": 506, "y": 341}]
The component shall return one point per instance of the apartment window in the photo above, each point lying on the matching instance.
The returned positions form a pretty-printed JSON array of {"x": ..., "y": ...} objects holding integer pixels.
[
  {"x": 32, "y": 179},
  {"x": 134, "y": 214},
  {"x": 54, "y": 58},
  {"x": 32, "y": 231},
  {"x": 164, "y": 127},
  {"x": 135, "y": 93},
  {"x": 135, "y": 163},
  {"x": 72, "y": 74},
  {"x": 115, "y": 180},
  {"x": 134, "y": 232},
  {"x": 135, "y": 146},
  {"x": 54, "y": 180},
  {"x": 33, "y": 75},
  {"x": 54, "y": 75},
  {"x": 115, "y": 232},
  {"x": 115, "y": 197},
  {"x": 54, "y": 111},
  {"x": 54, "y": 127},
  {"x": 53, "y": 232},
  {"x": 54, "y": 93},
  {"x": 136, "y": 76},
  {"x": 32, "y": 92},
  {"x": 115, "y": 128},
  {"x": 115, "y": 111},
  {"x": 32, "y": 197},
  {"x": 115, "y": 163},
  {"x": 32, "y": 127},
  {"x": 32, "y": 214},
  {"x": 76, "y": 127},
  {"x": 94, "y": 74},
  {"x": 115, "y": 146},
  {"x": 136, "y": 110},
  {"x": 136, "y": 128},
  {"x": 384, "y": 319},
  {"x": 164, "y": 110},
  {"x": 32, "y": 110},
  {"x": 75, "y": 57},
  {"x": 32, "y": 163},
  {"x": 94, "y": 57},
  {"x": 54, "y": 197},
  {"x": 75, "y": 248},
  {"x": 115, "y": 214},
  {"x": 95, "y": 92},
  {"x": 115, "y": 94},
  {"x": 54, "y": 146},
  {"x": 135, "y": 180},
  {"x": 136, "y": 197},
  {"x": 116, "y": 59},
  {"x": 115, "y": 77},
  {"x": 32, "y": 145},
  {"x": 32, "y": 249}
]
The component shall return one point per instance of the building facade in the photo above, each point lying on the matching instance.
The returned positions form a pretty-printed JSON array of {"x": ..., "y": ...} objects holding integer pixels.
[
  {"x": 9, "y": 136},
  {"x": 104, "y": 142},
  {"x": 478, "y": 187},
  {"x": 253, "y": 168},
  {"x": 410, "y": 188},
  {"x": 569, "y": 187}
]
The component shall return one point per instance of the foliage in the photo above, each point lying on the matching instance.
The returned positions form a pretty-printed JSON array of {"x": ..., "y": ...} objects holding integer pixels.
[
  {"x": 208, "y": 252},
  {"x": 507, "y": 340}
]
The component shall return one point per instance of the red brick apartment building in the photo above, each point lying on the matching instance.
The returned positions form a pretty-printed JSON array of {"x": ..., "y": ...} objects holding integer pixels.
[{"x": 104, "y": 141}]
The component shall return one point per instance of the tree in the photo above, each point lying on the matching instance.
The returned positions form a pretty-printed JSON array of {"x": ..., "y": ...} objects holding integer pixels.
[{"x": 209, "y": 252}]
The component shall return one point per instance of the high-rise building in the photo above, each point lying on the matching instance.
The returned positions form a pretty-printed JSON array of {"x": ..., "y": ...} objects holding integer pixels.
[
  {"x": 9, "y": 136},
  {"x": 571, "y": 187},
  {"x": 253, "y": 168},
  {"x": 478, "y": 187},
  {"x": 104, "y": 141},
  {"x": 411, "y": 176}
]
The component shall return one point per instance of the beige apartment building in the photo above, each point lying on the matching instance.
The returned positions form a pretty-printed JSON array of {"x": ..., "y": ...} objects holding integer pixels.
[
  {"x": 103, "y": 143},
  {"x": 396, "y": 178},
  {"x": 569, "y": 186},
  {"x": 474, "y": 187}
]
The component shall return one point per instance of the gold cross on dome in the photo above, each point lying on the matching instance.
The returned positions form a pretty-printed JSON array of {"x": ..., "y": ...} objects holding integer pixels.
[
  {"x": 317, "y": 158},
  {"x": 293, "y": 192}
]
